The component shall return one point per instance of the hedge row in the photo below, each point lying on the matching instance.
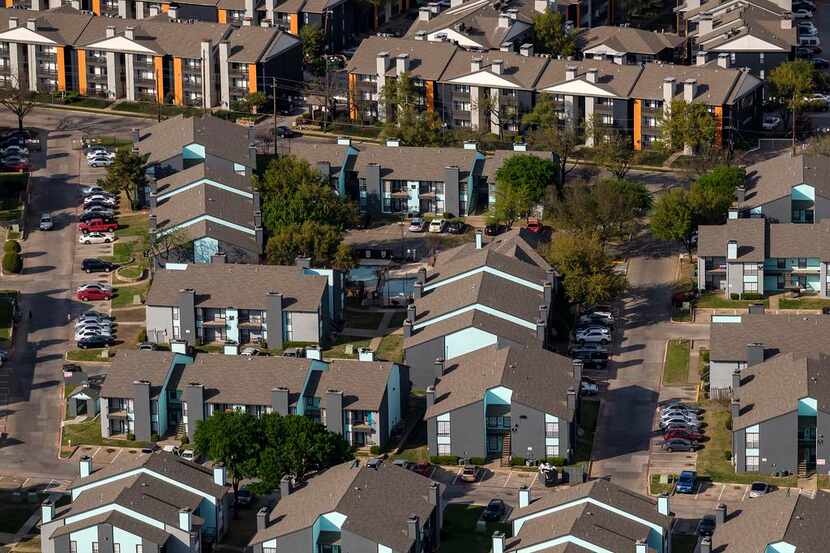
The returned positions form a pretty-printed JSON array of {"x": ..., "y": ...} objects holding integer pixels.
[
  {"x": 11, "y": 246},
  {"x": 12, "y": 262}
]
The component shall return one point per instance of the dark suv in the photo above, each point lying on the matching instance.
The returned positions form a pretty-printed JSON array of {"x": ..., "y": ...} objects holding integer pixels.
[
  {"x": 96, "y": 265},
  {"x": 591, "y": 359}
]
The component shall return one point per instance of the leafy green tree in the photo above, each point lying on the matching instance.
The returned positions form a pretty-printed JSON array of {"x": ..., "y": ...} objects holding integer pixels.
[
  {"x": 713, "y": 193},
  {"x": 792, "y": 81},
  {"x": 251, "y": 103},
  {"x": 126, "y": 174},
  {"x": 235, "y": 439},
  {"x": 521, "y": 183},
  {"x": 552, "y": 35},
  {"x": 637, "y": 197},
  {"x": 549, "y": 132},
  {"x": 645, "y": 12},
  {"x": 343, "y": 258},
  {"x": 674, "y": 217},
  {"x": 614, "y": 151},
  {"x": 688, "y": 124},
  {"x": 404, "y": 119},
  {"x": 587, "y": 272},
  {"x": 312, "y": 39},
  {"x": 318, "y": 241}
]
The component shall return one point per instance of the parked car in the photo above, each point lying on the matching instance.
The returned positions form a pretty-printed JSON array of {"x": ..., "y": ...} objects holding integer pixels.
[
  {"x": 802, "y": 13},
  {"x": 436, "y": 225},
  {"x": 678, "y": 412},
  {"x": 99, "y": 199},
  {"x": 97, "y": 225},
  {"x": 94, "y": 342},
  {"x": 146, "y": 346},
  {"x": 534, "y": 225},
  {"x": 469, "y": 473},
  {"x": 244, "y": 497},
  {"x": 591, "y": 359},
  {"x": 170, "y": 448},
  {"x": 46, "y": 222},
  {"x": 593, "y": 335},
  {"x": 99, "y": 152},
  {"x": 494, "y": 229},
  {"x": 686, "y": 482},
  {"x": 251, "y": 351},
  {"x": 757, "y": 489},
  {"x": 190, "y": 455},
  {"x": 88, "y": 216},
  {"x": 771, "y": 122},
  {"x": 284, "y": 132},
  {"x": 102, "y": 211},
  {"x": 423, "y": 468},
  {"x": 95, "y": 264},
  {"x": 93, "y": 189},
  {"x": 417, "y": 225},
  {"x": 584, "y": 327},
  {"x": 90, "y": 332},
  {"x": 16, "y": 150},
  {"x": 14, "y": 163},
  {"x": 679, "y": 403},
  {"x": 456, "y": 227},
  {"x": 673, "y": 422},
  {"x": 93, "y": 293},
  {"x": 103, "y": 324},
  {"x": 494, "y": 511},
  {"x": 706, "y": 526},
  {"x": 676, "y": 433},
  {"x": 94, "y": 316},
  {"x": 679, "y": 445},
  {"x": 821, "y": 63},
  {"x": 588, "y": 387},
  {"x": 96, "y": 238},
  {"x": 599, "y": 318},
  {"x": 404, "y": 464},
  {"x": 70, "y": 369},
  {"x": 100, "y": 161}
]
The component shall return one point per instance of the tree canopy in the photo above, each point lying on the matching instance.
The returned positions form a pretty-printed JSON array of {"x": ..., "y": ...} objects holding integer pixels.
[
  {"x": 126, "y": 174},
  {"x": 587, "y": 273},
  {"x": 312, "y": 39},
  {"x": 234, "y": 439},
  {"x": 521, "y": 183},
  {"x": 791, "y": 82},
  {"x": 552, "y": 35},
  {"x": 318, "y": 241},
  {"x": 550, "y": 132},
  {"x": 713, "y": 193},
  {"x": 674, "y": 218},
  {"x": 17, "y": 100},
  {"x": 688, "y": 124},
  {"x": 403, "y": 118}
]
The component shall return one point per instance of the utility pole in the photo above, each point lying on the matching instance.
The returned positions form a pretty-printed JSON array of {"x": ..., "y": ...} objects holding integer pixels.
[{"x": 274, "y": 96}]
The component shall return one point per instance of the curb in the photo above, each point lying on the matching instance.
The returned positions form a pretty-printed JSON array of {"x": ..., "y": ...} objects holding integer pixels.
[{"x": 114, "y": 113}]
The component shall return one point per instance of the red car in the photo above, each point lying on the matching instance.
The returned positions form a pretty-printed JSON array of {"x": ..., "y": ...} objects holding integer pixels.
[
  {"x": 683, "y": 435},
  {"x": 534, "y": 225},
  {"x": 97, "y": 225},
  {"x": 92, "y": 294},
  {"x": 15, "y": 164}
]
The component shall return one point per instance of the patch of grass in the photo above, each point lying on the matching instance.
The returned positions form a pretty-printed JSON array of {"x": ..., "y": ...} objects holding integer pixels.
[
  {"x": 588, "y": 414},
  {"x": 397, "y": 319},
  {"x": 89, "y": 433},
  {"x": 459, "y": 534},
  {"x": 122, "y": 252},
  {"x": 123, "y": 296},
  {"x": 167, "y": 110},
  {"x": 92, "y": 354},
  {"x": 716, "y": 300},
  {"x": 391, "y": 348},
  {"x": 712, "y": 461},
  {"x": 68, "y": 389},
  {"x": 338, "y": 349},
  {"x": 676, "y": 367},
  {"x": 656, "y": 488},
  {"x": 15, "y": 511},
  {"x": 364, "y": 320},
  {"x": 133, "y": 271},
  {"x": 209, "y": 348},
  {"x": 414, "y": 454},
  {"x": 803, "y": 303},
  {"x": 129, "y": 316},
  {"x": 84, "y": 102},
  {"x": 7, "y": 302},
  {"x": 133, "y": 225}
]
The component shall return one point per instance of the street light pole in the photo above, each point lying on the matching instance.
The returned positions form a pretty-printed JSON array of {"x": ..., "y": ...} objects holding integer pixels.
[{"x": 274, "y": 96}]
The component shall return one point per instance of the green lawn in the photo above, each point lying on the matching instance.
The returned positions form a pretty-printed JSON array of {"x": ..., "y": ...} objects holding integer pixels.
[
  {"x": 133, "y": 272},
  {"x": 676, "y": 367},
  {"x": 803, "y": 303},
  {"x": 363, "y": 320},
  {"x": 716, "y": 300},
  {"x": 83, "y": 102},
  {"x": 588, "y": 414},
  {"x": 338, "y": 349},
  {"x": 209, "y": 348},
  {"x": 656, "y": 488},
  {"x": 89, "y": 433},
  {"x": 167, "y": 110},
  {"x": 133, "y": 225},
  {"x": 712, "y": 461},
  {"x": 7, "y": 300},
  {"x": 92, "y": 354},
  {"x": 391, "y": 348},
  {"x": 123, "y": 296},
  {"x": 459, "y": 534},
  {"x": 122, "y": 252}
]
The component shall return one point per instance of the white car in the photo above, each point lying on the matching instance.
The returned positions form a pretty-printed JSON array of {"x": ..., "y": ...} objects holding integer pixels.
[
  {"x": 95, "y": 286},
  {"x": 93, "y": 316},
  {"x": 96, "y": 238},
  {"x": 437, "y": 225},
  {"x": 100, "y": 152},
  {"x": 46, "y": 222},
  {"x": 99, "y": 198},
  {"x": 802, "y": 13},
  {"x": 14, "y": 150},
  {"x": 90, "y": 332},
  {"x": 189, "y": 455},
  {"x": 106, "y": 323},
  {"x": 100, "y": 161},
  {"x": 589, "y": 388},
  {"x": 593, "y": 335},
  {"x": 806, "y": 28},
  {"x": 88, "y": 190},
  {"x": 771, "y": 122},
  {"x": 416, "y": 225}
]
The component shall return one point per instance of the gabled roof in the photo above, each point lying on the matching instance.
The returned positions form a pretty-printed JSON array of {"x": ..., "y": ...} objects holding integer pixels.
[
  {"x": 118, "y": 520},
  {"x": 62, "y": 25},
  {"x": 256, "y": 44},
  {"x": 517, "y": 71},
  {"x": 474, "y": 319},
  {"x": 207, "y": 200},
  {"x": 748, "y": 29},
  {"x": 375, "y": 502},
  {"x": 715, "y": 84},
  {"x": 787, "y": 333},
  {"x": 538, "y": 378},
  {"x": 219, "y": 137},
  {"x": 628, "y": 40},
  {"x": 612, "y": 79},
  {"x": 774, "y": 387},
  {"x": 488, "y": 258},
  {"x": 515, "y": 243},
  {"x": 211, "y": 170},
  {"x": 750, "y": 234},
  {"x": 774, "y": 178},
  {"x": 131, "y": 365},
  {"x": 427, "y": 60}
]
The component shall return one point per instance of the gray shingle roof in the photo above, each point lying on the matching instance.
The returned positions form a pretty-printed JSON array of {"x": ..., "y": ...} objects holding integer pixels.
[
  {"x": 615, "y": 79},
  {"x": 118, "y": 520},
  {"x": 129, "y": 366},
  {"x": 206, "y": 200},
  {"x": 249, "y": 287},
  {"x": 210, "y": 169},
  {"x": 487, "y": 258},
  {"x": 748, "y": 21},
  {"x": 774, "y": 178},
  {"x": 750, "y": 234},
  {"x": 474, "y": 319},
  {"x": 522, "y": 71},
  {"x": 427, "y": 59},
  {"x": 219, "y": 137},
  {"x": 715, "y": 85},
  {"x": 628, "y": 40},
  {"x": 778, "y": 333},
  {"x": 538, "y": 378}
]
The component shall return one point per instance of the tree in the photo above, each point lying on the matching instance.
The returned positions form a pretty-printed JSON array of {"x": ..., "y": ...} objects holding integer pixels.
[
  {"x": 404, "y": 120},
  {"x": 548, "y": 130},
  {"x": 714, "y": 192},
  {"x": 312, "y": 39},
  {"x": 161, "y": 243},
  {"x": 318, "y": 241},
  {"x": 235, "y": 439},
  {"x": 127, "y": 175},
  {"x": 17, "y": 100},
  {"x": 552, "y": 34},
  {"x": 588, "y": 275},
  {"x": 252, "y": 102},
  {"x": 521, "y": 183},
  {"x": 792, "y": 81},
  {"x": 613, "y": 148},
  {"x": 673, "y": 218},
  {"x": 688, "y": 125},
  {"x": 343, "y": 258},
  {"x": 646, "y": 12}
]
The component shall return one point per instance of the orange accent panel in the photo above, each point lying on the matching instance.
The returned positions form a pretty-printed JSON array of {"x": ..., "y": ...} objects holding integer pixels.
[
  {"x": 252, "y": 78},
  {"x": 178, "y": 82},
  {"x": 223, "y": 16},
  {"x": 96, "y": 7},
  {"x": 353, "y": 96},
  {"x": 82, "y": 72},
  {"x": 61, "y": 62},
  {"x": 158, "y": 63},
  {"x": 430, "y": 93},
  {"x": 9, "y": 3},
  {"x": 294, "y": 23},
  {"x": 165, "y": 8},
  {"x": 719, "y": 125},
  {"x": 638, "y": 125}
]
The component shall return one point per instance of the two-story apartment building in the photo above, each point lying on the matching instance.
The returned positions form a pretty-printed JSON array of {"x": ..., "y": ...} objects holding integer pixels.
[
  {"x": 780, "y": 414},
  {"x": 754, "y": 256},
  {"x": 786, "y": 189},
  {"x": 157, "y": 502},
  {"x": 165, "y": 393},
  {"x": 243, "y": 304},
  {"x": 594, "y": 516},
  {"x": 349, "y": 507},
  {"x": 629, "y": 45},
  {"x": 395, "y": 179},
  {"x": 503, "y": 402},
  {"x": 475, "y": 297}
]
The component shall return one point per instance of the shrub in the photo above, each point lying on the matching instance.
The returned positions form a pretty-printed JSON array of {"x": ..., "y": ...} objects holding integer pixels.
[
  {"x": 12, "y": 262},
  {"x": 517, "y": 461},
  {"x": 751, "y": 296},
  {"x": 556, "y": 461},
  {"x": 477, "y": 461},
  {"x": 11, "y": 246},
  {"x": 729, "y": 423},
  {"x": 444, "y": 459},
  {"x": 185, "y": 440},
  {"x": 142, "y": 336},
  {"x": 130, "y": 437},
  {"x": 727, "y": 455},
  {"x": 155, "y": 438},
  {"x": 374, "y": 450},
  {"x": 734, "y": 296}
]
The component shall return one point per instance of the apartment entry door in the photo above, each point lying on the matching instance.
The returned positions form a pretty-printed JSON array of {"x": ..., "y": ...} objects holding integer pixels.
[{"x": 413, "y": 203}]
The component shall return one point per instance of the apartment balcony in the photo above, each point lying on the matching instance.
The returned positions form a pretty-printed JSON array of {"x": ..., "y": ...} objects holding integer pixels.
[
  {"x": 400, "y": 195},
  {"x": 215, "y": 323},
  {"x": 117, "y": 414},
  {"x": 251, "y": 323},
  {"x": 100, "y": 78}
]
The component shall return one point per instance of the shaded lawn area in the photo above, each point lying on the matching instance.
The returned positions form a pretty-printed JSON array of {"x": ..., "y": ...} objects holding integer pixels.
[
  {"x": 133, "y": 225},
  {"x": 13, "y": 515},
  {"x": 123, "y": 296},
  {"x": 588, "y": 414},
  {"x": 364, "y": 320},
  {"x": 459, "y": 533},
  {"x": 397, "y": 319},
  {"x": 92, "y": 354},
  {"x": 803, "y": 303},
  {"x": 122, "y": 252},
  {"x": 676, "y": 368},
  {"x": 391, "y": 348},
  {"x": 338, "y": 350},
  {"x": 415, "y": 449},
  {"x": 89, "y": 433},
  {"x": 7, "y": 300},
  {"x": 712, "y": 460},
  {"x": 656, "y": 487},
  {"x": 683, "y": 543},
  {"x": 716, "y": 300}
]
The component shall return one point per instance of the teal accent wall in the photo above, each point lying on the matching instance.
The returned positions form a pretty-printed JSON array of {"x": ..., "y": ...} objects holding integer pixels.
[
  {"x": 807, "y": 407},
  {"x": 467, "y": 340},
  {"x": 791, "y": 263},
  {"x": 780, "y": 547},
  {"x": 205, "y": 248},
  {"x": 803, "y": 192},
  {"x": 770, "y": 283},
  {"x": 814, "y": 282},
  {"x": 193, "y": 151},
  {"x": 498, "y": 396},
  {"x": 207, "y": 511}
]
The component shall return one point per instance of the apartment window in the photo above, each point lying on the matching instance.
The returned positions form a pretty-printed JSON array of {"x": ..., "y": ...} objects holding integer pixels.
[
  {"x": 73, "y": 547},
  {"x": 444, "y": 449},
  {"x": 461, "y": 88},
  {"x": 752, "y": 439},
  {"x": 761, "y": 57},
  {"x": 551, "y": 451},
  {"x": 461, "y": 124},
  {"x": 443, "y": 428},
  {"x": 269, "y": 550},
  {"x": 461, "y": 106},
  {"x": 368, "y": 78},
  {"x": 750, "y": 286},
  {"x": 551, "y": 429},
  {"x": 650, "y": 122},
  {"x": 802, "y": 262},
  {"x": 781, "y": 263},
  {"x": 139, "y": 548},
  {"x": 95, "y": 547},
  {"x": 116, "y": 548},
  {"x": 752, "y": 463},
  {"x": 608, "y": 120}
]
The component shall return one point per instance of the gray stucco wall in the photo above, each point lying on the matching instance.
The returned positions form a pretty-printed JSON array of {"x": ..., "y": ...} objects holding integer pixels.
[
  {"x": 298, "y": 541},
  {"x": 530, "y": 432},
  {"x": 778, "y": 440},
  {"x": 105, "y": 538},
  {"x": 822, "y": 208},
  {"x": 823, "y": 446},
  {"x": 159, "y": 323},
  {"x": 779, "y": 210},
  {"x": 421, "y": 361},
  {"x": 735, "y": 278},
  {"x": 141, "y": 408},
  {"x": 356, "y": 544},
  {"x": 467, "y": 433}
]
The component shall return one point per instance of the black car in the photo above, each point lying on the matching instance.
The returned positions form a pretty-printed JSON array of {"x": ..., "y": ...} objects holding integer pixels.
[
  {"x": 97, "y": 341},
  {"x": 706, "y": 526},
  {"x": 494, "y": 229},
  {"x": 284, "y": 132},
  {"x": 456, "y": 227},
  {"x": 90, "y": 215},
  {"x": 96, "y": 265},
  {"x": 591, "y": 359},
  {"x": 550, "y": 478},
  {"x": 494, "y": 510},
  {"x": 820, "y": 63}
]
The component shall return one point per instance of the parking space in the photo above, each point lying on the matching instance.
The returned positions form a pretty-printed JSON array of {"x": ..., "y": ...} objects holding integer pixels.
[{"x": 106, "y": 456}]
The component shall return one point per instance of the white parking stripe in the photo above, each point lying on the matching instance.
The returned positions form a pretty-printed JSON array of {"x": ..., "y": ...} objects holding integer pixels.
[
  {"x": 722, "y": 489},
  {"x": 535, "y": 476},
  {"x": 746, "y": 489},
  {"x": 457, "y": 474},
  {"x": 507, "y": 479},
  {"x": 96, "y": 453}
]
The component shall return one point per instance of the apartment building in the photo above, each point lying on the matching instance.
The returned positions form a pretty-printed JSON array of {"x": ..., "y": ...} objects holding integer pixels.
[
  {"x": 780, "y": 415},
  {"x": 781, "y": 520},
  {"x": 501, "y": 402},
  {"x": 473, "y": 298},
  {"x": 350, "y": 507},
  {"x": 396, "y": 180},
  {"x": 149, "y": 393},
  {"x": 492, "y": 90},
  {"x": 220, "y": 303},
  {"x": 629, "y": 45},
  {"x": 155, "y": 59},
  {"x": 156, "y": 502},
  {"x": 754, "y": 256},
  {"x": 786, "y": 189},
  {"x": 594, "y": 516},
  {"x": 740, "y": 341}
]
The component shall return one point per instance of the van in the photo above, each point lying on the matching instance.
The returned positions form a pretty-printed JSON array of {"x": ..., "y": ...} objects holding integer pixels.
[{"x": 809, "y": 41}]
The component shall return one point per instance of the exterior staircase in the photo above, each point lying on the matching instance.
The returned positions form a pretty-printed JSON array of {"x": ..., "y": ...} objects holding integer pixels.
[
  {"x": 802, "y": 469},
  {"x": 505, "y": 450},
  {"x": 180, "y": 430}
]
